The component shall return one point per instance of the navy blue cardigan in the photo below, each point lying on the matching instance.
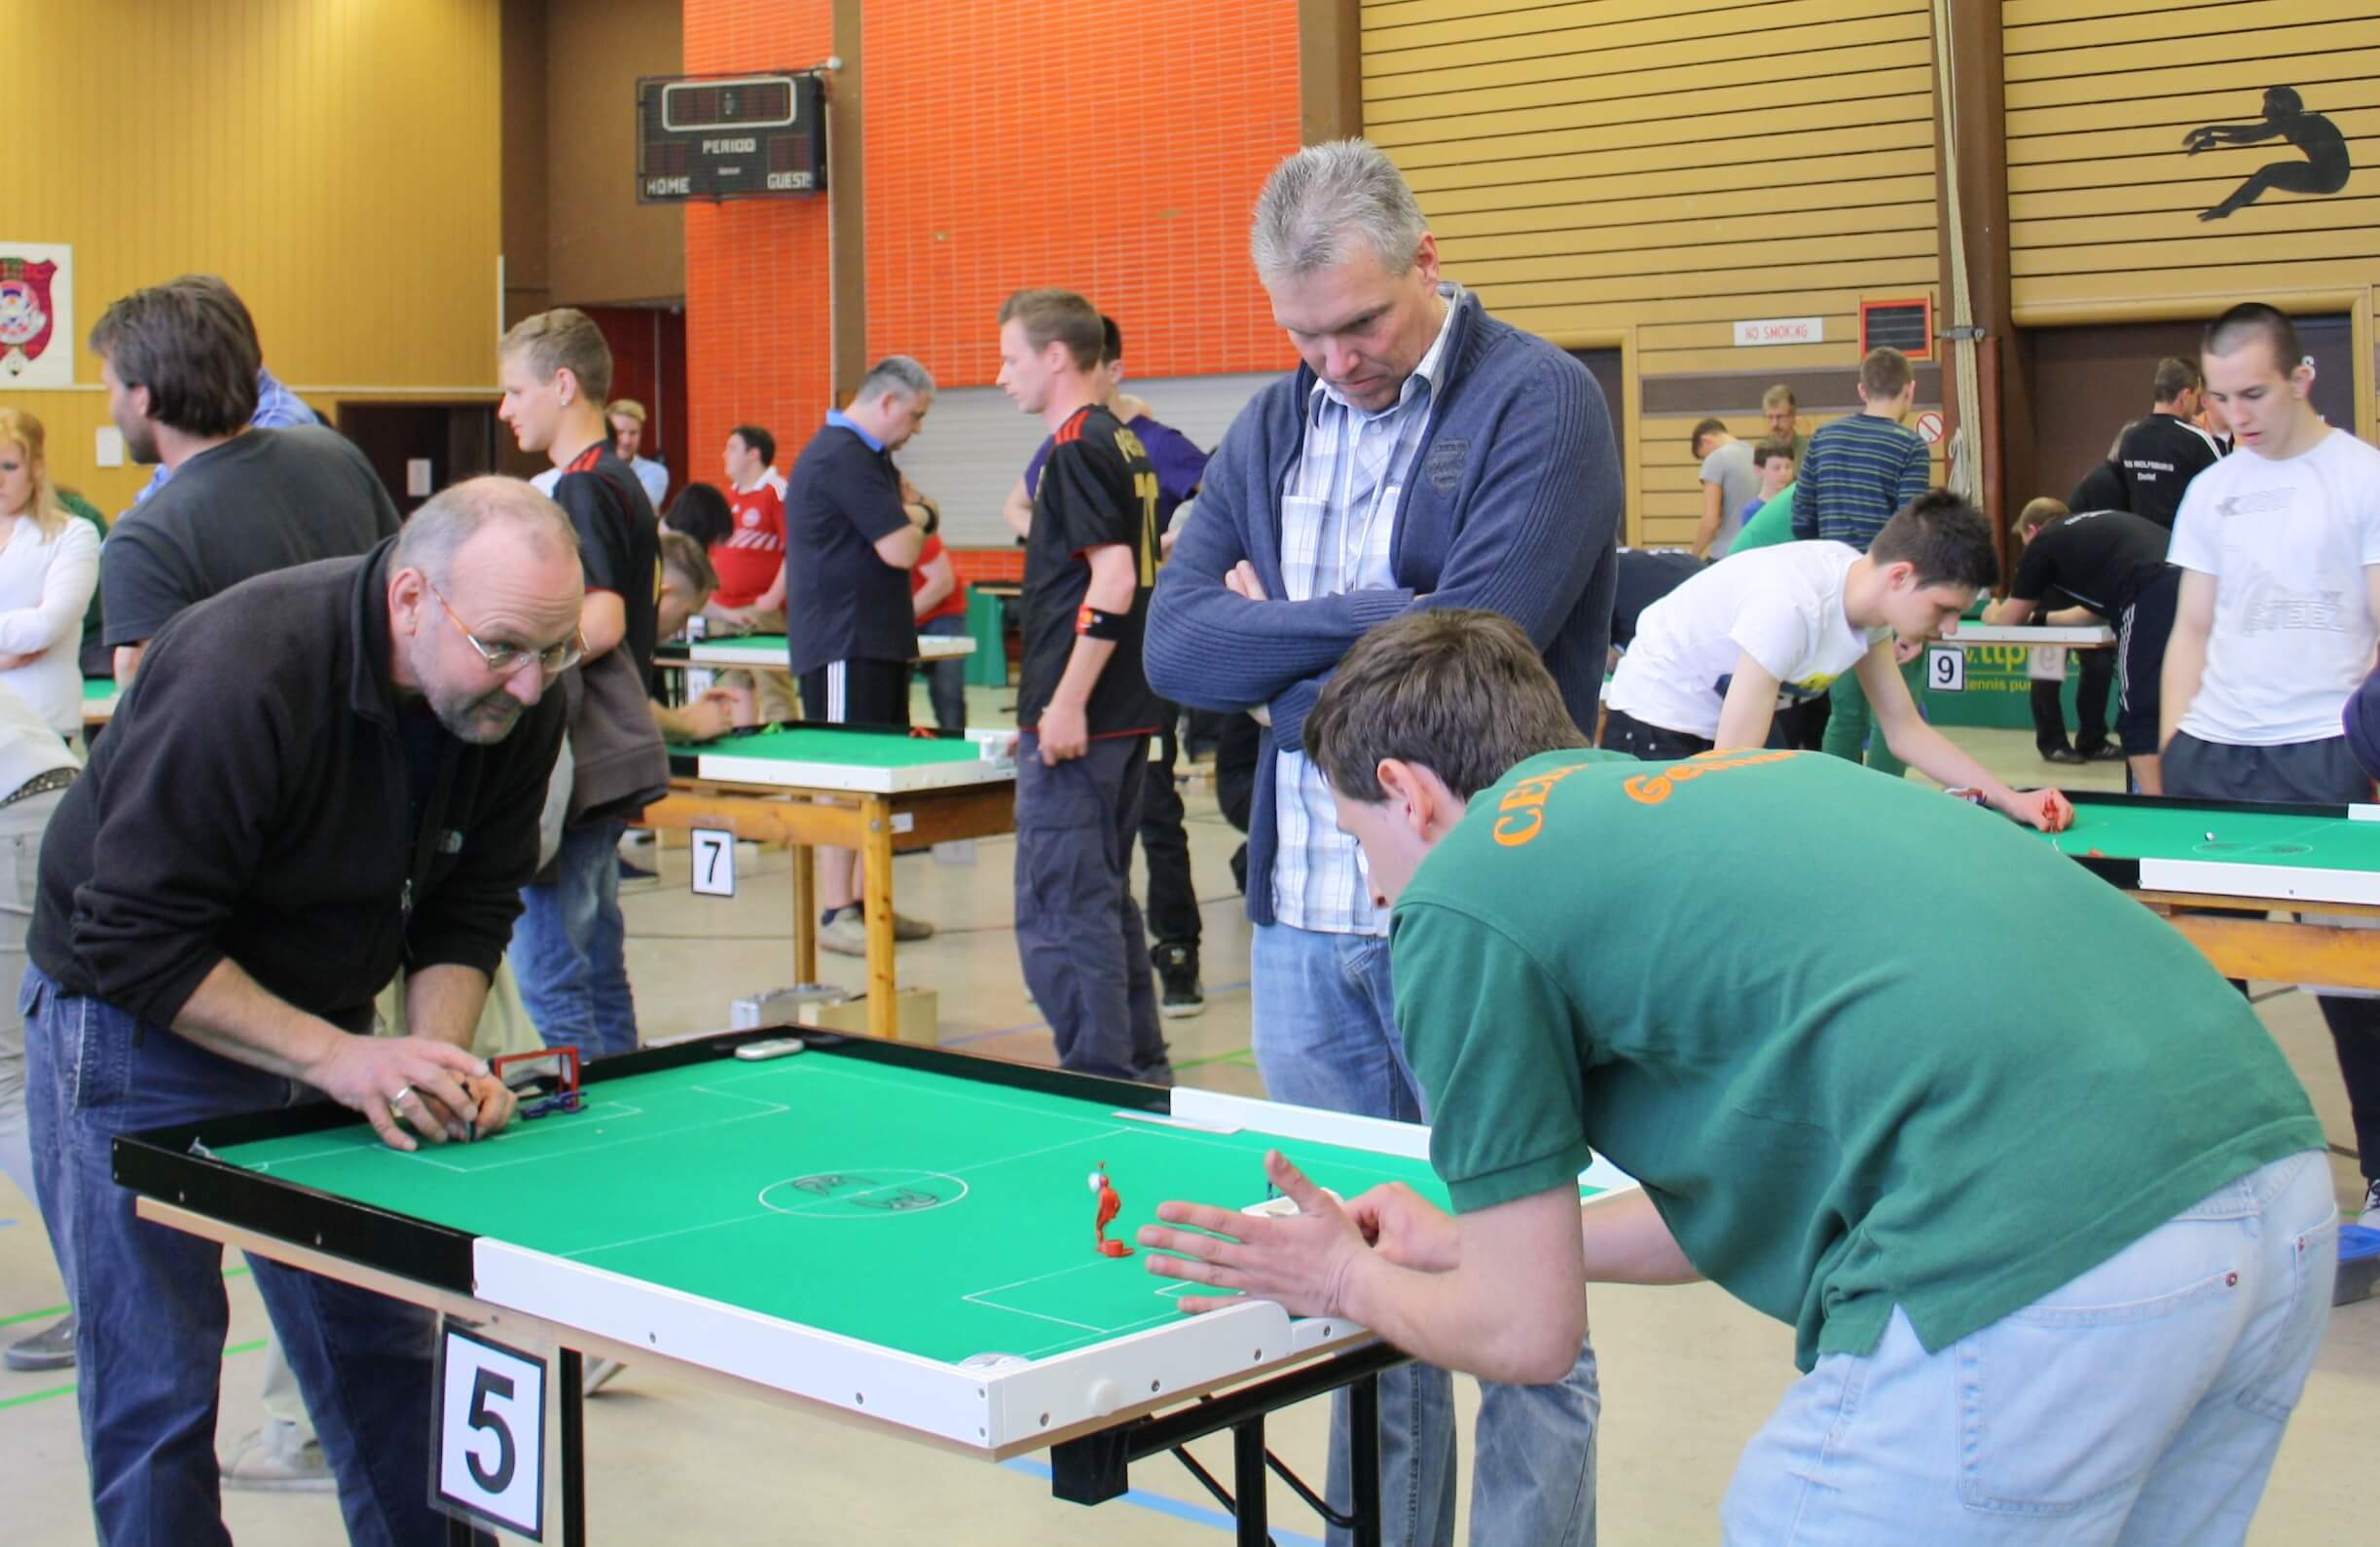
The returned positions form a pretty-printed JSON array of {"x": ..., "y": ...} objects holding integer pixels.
[{"x": 1512, "y": 503}]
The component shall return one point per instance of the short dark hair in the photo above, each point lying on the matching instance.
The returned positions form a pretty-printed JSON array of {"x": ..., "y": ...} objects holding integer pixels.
[
  {"x": 1945, "y": 538},
  {"x": 1768, "y": 450},
  {"x": 1885, "y": 372},
  {"x": 2254, "y": 319},
  {"x": 702, "y": 513},
  {"x": 1708, "y": 427},
  {"x": 686, "y": 558},
  {"x": 754, "y": 438},
  {"x": 1110, "y": 340},
  {"x": 2174, "y": 378},
  {"x": 1458, "y": 690},
  {"x": 191, "y": 342}
]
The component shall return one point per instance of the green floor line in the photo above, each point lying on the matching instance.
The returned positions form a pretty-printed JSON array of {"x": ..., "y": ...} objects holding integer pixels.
[
  {"x": 1237, "y": 1055},
  {"x": 68, "y": 1389},
  {"x": 60, "y": 1311}
]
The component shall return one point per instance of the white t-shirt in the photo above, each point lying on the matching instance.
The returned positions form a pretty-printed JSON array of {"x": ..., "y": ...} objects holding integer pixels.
[
  {"x": 2287, "y": 544},
  {"x": 1783, "y": 605}
]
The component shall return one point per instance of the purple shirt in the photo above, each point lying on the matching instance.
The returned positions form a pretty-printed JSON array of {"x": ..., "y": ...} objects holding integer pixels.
[{"x": 1179, "y": 462}]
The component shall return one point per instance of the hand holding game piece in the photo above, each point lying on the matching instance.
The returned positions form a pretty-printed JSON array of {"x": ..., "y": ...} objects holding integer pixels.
[
  {"x": 386, "y": 1079},
  {"x": 2045, "y": 809},
  {"x": 1302, "y": 1261}
]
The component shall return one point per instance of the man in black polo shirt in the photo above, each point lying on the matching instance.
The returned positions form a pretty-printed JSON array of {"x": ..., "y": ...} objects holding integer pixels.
[
  {"x": 2112, "y": 563},
  {"x": 180, "y": 361},
  {"x": 321, "y": 775},
  {"x": 2157, "y": 457},
  {"x": 1083, "y": 707},
  {"x": 570, "y": 949},
  {"x": 850, "y": 630}
]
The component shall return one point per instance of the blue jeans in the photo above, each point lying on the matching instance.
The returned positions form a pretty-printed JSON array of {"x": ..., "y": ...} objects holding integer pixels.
[
  {"x": 2138, "y": 1404},
  {"x": 151, "y": 1308},
  {"x": 946, "y": 681},
  {"x": 1326, "y": 1035},
  {"x": 570, "y": 947}
]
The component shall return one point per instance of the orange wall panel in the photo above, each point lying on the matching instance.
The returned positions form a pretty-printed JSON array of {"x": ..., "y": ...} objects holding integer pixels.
[
  {"x": 758, "y": 326},
  {"x": 1107, "y": 146}
]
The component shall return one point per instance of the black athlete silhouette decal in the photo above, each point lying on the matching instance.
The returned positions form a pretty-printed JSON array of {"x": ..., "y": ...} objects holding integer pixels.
[{"x": 2324, "y": 170}]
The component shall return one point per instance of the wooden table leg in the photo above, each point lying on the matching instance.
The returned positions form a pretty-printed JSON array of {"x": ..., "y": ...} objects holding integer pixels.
[
  {"x": 876, "y": 888},
  {"x": 805, "y": 912}
]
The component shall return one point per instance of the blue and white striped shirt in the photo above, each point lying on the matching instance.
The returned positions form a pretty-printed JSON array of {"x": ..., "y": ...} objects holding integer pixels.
[{"x": 1339, "y": 520}]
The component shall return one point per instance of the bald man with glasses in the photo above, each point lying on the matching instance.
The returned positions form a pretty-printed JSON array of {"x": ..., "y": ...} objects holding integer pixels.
[{"x": 320, "y": 776}]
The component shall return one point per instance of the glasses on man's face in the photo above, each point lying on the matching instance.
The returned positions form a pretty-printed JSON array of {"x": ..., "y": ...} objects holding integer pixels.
[{"x": 506, "y": 660}]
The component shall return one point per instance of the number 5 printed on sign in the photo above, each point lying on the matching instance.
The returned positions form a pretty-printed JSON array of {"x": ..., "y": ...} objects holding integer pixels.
[{"x": 491, "y": 1442}]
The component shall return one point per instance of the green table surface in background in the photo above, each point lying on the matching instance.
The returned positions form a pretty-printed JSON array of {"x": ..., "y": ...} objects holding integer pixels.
[
  {"x": 98, "y": 689},
  {"x": 842, "y": 748},
  {"x": 685, "y": 1178},
  {"x": 2180, "y": 831}
]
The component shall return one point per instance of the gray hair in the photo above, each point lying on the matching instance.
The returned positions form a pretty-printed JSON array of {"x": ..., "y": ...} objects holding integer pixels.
[
  {"x": 452, "y": 516},
  {"x": 1326, "y": 196},
  {"x": 896, "y": 374}
]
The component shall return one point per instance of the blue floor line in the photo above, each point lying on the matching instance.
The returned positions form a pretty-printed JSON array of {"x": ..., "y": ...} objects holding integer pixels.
[{"x": 1158, "y": 1504}]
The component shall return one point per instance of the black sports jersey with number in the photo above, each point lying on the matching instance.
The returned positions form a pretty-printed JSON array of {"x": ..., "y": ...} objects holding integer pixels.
[
  {"x": 2102, "y": 559},
  {"x": 2157, "y": 457},
  {"x": 1097, "y": 490}
]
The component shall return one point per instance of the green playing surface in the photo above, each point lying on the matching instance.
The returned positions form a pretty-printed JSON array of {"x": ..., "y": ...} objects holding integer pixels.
[
  {"x": 921, "y": 1211},
  {"x": 848, "y": 748},
  {"x": 770, "y": 648},
  {"x": 98, "y": 689},
  {"x": 2240, "y": 837}
]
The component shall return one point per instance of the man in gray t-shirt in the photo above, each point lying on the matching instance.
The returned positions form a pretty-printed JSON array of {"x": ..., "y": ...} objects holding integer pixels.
[{"x": 1730, "y": 482}]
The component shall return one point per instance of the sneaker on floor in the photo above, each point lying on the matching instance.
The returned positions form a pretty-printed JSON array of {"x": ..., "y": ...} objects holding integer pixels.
[
  {"x": 905, "y": 928},
  {"x": 2371, "y": 1207},
  {"x": 50, "y": 1348},
  {"x": 276, "y": 1459},
  {"x": 2066, "y": 755},
  {"x": 2104, "y": 751},
  {"x": 1180, "y": 994},
  {"x": 846, "y": 935},
  {"x": 595, "y": 1373}
]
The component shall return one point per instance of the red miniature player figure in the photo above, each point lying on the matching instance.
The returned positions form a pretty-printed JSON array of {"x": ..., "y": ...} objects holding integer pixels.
[{"x": 1109, "y": 1205}]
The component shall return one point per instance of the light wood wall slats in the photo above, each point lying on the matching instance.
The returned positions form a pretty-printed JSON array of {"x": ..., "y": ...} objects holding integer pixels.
[
  {"x": 1432, "y": 97},
  {"x": 1717, "y": 32},
  {"x": 1870, "y": 201},
  {"x": 1717, "y": 60},
  {"x": 1785, "y": 99},
  {"x": 2104, "y": 201},
  {"x": 1661, "y": 168},
  {"x": 338, "y": 163}
]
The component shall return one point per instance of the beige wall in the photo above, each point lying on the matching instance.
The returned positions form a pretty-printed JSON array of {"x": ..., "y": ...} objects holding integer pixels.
[
  {"x": 332, "y": 162},
  {"x": 2105, "y": 203},
  {"x": 1642, "y": 174},
  {"x": 607, "y": 249}
]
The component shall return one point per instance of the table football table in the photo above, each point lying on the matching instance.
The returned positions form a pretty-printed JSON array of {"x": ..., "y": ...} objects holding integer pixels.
[
  {"x": 871, "y": 789},
  {"x": 898, "y": 1236},
  {"x": 2247, "y": 859}
]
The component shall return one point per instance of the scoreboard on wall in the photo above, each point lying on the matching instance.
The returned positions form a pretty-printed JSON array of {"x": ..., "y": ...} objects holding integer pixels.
[{"x": 729, "y": 136}]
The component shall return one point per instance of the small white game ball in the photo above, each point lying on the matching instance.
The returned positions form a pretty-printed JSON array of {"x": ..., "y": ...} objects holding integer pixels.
[{"x": 1098, "y": 1180}]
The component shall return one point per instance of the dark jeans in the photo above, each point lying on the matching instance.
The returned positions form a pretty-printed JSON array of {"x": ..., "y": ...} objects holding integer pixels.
[
  {"x": 1238, "y": 742},
  {"x": 946, "y": 681},
  {"x": 152, "y": 1309},
  {"x": 2323, "y": 772},
  {"x": 1624, "y": 732},
  {"x": 2091, "y": 696},
  {"x": 1173, "y": 901},
  {"x": 1078, "y": 931}
]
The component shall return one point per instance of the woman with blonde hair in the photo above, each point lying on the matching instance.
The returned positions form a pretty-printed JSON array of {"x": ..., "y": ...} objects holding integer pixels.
[{"x": 49, "y": 567}]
